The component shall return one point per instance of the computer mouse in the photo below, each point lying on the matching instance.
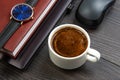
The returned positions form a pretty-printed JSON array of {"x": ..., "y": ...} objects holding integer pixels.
[{"x": 92, "y": 12}]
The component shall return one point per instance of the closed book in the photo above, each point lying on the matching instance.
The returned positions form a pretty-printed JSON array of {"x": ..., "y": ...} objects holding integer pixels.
[{"x": 14, "y": 45}]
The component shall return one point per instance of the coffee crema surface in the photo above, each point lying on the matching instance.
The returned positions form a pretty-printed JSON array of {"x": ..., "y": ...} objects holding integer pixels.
[{"x": 69, "y": 42}]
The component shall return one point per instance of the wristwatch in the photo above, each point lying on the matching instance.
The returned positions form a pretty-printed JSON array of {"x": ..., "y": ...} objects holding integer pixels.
[{"x": 19, "y": 13}]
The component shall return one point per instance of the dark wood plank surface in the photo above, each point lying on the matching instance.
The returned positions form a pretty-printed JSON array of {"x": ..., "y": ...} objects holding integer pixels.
[{"x": 106, "y": 39}]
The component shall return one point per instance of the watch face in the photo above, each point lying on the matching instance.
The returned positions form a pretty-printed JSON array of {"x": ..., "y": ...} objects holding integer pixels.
[{"x": 22, "y": 12}]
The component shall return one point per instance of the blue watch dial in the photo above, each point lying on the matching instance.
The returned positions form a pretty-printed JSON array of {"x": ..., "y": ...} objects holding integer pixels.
[{"x": 22, "y": 12}]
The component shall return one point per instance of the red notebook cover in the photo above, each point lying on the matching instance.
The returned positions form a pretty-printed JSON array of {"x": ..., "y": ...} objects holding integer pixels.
[{"x": 26, "y": 30}]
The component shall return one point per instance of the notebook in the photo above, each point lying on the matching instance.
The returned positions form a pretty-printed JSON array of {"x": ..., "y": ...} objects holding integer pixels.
[
  {"x": 26, "y": 30},
  {"x": 38, "y": 40}
]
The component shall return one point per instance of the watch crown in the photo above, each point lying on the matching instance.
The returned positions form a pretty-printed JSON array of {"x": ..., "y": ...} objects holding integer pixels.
[
  {"x": 21, "y": 22},
  {"x": 33, "y": 7},
  {"x": 32, "y": 17},
  {"x": 10, "y": 17}
]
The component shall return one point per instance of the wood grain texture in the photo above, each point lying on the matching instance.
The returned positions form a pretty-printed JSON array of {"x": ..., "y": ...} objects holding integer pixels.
[
  {"x": 106, "y": 39},
  {"x": 43, "y": 69}
]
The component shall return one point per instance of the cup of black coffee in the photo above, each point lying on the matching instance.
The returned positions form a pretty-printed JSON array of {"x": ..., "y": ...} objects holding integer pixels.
[{"x": 69, "y": 47}]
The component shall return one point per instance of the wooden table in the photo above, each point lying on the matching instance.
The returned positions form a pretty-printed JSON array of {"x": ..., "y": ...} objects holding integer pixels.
[{"x": 106, "y": 39}]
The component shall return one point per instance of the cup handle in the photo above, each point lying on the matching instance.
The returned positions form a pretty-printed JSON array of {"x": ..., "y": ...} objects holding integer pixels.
[{"x": 93, "y": 55}]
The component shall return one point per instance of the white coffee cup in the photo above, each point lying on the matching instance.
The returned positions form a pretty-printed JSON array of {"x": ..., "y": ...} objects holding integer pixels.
[{"x": 89, "y": 54}]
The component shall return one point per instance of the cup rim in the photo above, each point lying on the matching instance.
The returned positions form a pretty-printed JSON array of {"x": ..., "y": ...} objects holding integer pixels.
[{"x": 64, "y": 26}]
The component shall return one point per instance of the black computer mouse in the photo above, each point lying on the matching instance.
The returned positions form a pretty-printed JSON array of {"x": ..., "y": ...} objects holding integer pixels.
[{"x": 92, "y": 12}]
